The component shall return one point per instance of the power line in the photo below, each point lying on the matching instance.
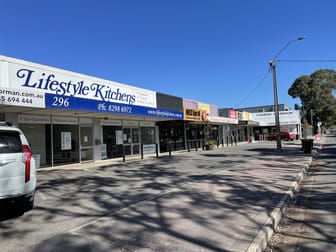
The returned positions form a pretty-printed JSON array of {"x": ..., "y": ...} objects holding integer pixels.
[
  {"x": 306, "y": 60},
  {"x": 268, "y": 72},
  {"x": 254, "y": 89}
]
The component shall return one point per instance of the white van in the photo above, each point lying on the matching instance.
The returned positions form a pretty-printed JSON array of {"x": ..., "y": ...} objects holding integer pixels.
[{"x": 17, "y": 168}]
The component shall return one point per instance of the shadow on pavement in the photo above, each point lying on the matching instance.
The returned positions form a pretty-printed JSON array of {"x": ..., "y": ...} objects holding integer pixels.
[{"x": 187, "y": 201}]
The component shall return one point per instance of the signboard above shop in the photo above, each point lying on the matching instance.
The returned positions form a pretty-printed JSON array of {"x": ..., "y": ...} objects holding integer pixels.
[
  {"x": 192, "y": 114},
  {"x": 285, "y": 117},
  {"x": 33, "y": 119},
  {"x": 68, "y": 84},
  {"x": 32, "y": 85},
  {"x": 222, "y": 120}
]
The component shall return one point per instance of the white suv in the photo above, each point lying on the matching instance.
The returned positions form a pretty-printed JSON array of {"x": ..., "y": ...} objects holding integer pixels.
[{"x": 17, "y": 168}]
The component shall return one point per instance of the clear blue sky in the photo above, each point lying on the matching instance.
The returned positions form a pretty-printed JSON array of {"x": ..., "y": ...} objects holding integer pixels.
[{"x": 212, "y": 51}]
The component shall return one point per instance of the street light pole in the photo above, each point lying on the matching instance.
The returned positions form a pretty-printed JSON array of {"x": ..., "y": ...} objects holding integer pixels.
[
  {"x": 272, "y": 64},
  {"x": 276, "y": 105}
]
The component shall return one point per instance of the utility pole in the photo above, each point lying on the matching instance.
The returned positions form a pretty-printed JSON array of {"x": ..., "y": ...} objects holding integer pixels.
[
  {"x": 272, "y": 64},
  {"x": 276, "y": 105}
]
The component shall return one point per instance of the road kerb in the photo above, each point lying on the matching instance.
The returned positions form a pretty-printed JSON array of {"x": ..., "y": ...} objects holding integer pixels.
[{"x": 267, "y": 230}]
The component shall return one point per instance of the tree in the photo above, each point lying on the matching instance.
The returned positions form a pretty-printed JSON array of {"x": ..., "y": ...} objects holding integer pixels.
[{"x": 316, "y": 94}]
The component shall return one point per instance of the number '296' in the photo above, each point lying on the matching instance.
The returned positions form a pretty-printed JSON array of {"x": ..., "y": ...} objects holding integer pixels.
[{"x": 60, "y": 102}]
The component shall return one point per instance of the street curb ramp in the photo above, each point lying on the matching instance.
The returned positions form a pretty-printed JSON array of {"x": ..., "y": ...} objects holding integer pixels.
[{"x": 266, "y": 232}]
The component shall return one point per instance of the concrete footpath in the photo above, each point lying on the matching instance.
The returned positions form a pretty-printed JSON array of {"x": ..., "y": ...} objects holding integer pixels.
[
  {"x": 208, "y": 201},
  {"x": 310, "y": 220}
]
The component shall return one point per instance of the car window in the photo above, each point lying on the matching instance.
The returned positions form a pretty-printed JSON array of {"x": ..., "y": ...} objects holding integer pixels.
[{"x": 10, "y": 142}]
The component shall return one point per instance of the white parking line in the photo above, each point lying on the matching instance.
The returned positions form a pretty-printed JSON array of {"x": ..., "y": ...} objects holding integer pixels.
[
  {"x": 120, "y": 211},
  {"x": 91, "y": 172},
  {"x": 41, "y": 195}
]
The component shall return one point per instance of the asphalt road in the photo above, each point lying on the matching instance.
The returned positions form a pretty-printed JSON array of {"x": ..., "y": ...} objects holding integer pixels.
[{"x": 198, "y": 201}]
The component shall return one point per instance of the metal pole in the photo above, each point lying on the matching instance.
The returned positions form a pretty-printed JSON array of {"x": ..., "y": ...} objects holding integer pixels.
[
  {"x": 272, "y": 64},
  {"x": 157, "y": 150},
  {"x": 141, "y": 151},
  {"x": 123, "y": 153},
  {"x": 276, "y": 105}
]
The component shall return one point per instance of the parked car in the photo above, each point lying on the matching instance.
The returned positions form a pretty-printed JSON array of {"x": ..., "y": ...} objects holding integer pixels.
[
  {"x": 17, "y": 168},
  {"x": 283, "y": 136}
]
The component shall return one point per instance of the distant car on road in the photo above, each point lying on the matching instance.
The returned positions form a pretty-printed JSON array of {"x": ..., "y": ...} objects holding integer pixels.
[{"x": 283, "y": 136}]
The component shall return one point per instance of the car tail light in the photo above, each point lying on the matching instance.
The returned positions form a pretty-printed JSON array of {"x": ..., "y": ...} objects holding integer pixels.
[{"x": 26, "y": 157}]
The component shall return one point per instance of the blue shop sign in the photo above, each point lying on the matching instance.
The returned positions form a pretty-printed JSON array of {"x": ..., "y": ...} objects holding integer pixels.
[{"x": 75, "y": 103}]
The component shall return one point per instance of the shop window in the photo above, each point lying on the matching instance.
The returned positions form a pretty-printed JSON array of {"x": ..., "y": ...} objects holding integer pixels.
[
  {"x": 113, "y": 138},
  {"x": 171, "y": 135},
  {"x": 66, "y": 147},
  {"x": 148, "y": 135}
]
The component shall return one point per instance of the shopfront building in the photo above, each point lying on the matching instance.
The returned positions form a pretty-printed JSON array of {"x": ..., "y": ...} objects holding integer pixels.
[
  {"x": 71, "y": 118},
  {"x": 202, "y": 123},
  {"x": 290, "y": 121},
  {"x": 171, "y": 132}
]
